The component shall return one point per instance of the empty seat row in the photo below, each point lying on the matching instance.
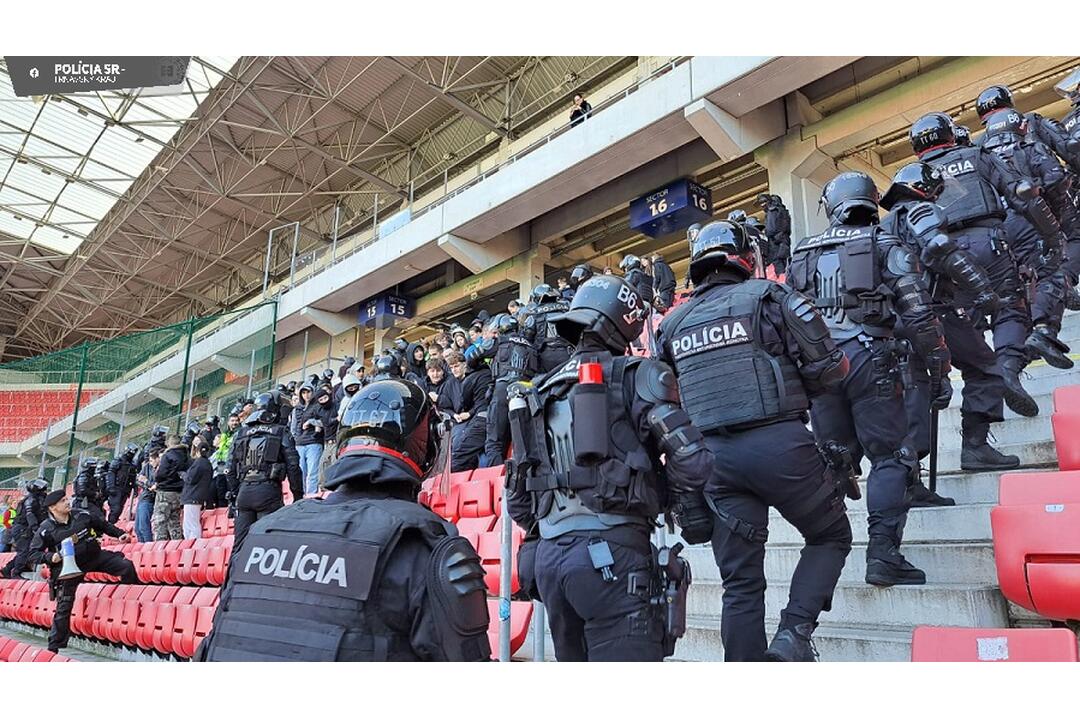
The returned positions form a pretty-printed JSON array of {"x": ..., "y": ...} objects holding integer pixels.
[
  {"x": 470, "y": 494},
  {"x": 953, "y": 644},
  {"x": 176, "y": 562},
  {"x": 1066, "y": 424},
  {"x": 1036, "y": 530},
  {"x": 12, "y": 650}
]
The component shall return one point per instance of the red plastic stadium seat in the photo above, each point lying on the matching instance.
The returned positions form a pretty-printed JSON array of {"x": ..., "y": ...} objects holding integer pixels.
[
  {"x": 520, "y": 617},
  {"x": 471, "y": 528},
  {"x": 186, "y": 623},
  {"x": 1067, "y": 438},
  {"x": 474, "y": 499},
  {"x": 1036, "y": 529},
  {"x": 488, "y": 547},
  {"x": 947, "y": 644},
  {"x": 1067, "y": 399},
  {"x": 45, "y": 656},
  {"x": 6, "y": 646}
]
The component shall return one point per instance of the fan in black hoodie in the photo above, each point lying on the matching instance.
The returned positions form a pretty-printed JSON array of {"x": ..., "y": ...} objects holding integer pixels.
[
  {"x": 470, "y": 413},
  {"x": 412, "y": 364},
  {"x": 443, "y": 390}
]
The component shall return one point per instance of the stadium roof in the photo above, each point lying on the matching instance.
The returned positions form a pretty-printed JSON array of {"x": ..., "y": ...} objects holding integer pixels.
[{"x": 121, "y": 211}]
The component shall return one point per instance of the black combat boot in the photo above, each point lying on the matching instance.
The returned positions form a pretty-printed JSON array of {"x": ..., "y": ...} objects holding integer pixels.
[
  {"x": 885, "y": 566},
  {"x": 793, "y": 645},
  {"x": 918, "y": 495},
  {"x": 1072, "y": 298},
  {"x": 1043, "y": 342},
  {"x": 976, "y": 454},
  {"x": 1016, "y": 397}
]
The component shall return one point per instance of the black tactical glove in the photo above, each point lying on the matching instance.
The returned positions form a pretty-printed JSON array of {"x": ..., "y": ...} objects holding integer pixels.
[{"x": 988, "y": 303}]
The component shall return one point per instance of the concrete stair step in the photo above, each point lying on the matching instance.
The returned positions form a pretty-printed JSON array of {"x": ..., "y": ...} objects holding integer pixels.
[
  {"x": 1039, "y": 454},
  {"x": 964, "y": 488},
  {"x": 960, "y": 523},
  {"x": 964, "y": 605},
  {"x": 834, "y": 643},
  {"x": 1015, "y": 429},
  {"x": 968, "y": 563}
]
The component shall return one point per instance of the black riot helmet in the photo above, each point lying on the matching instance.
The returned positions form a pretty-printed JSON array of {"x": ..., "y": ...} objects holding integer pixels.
[
  {"x": 312, "y": 380},
  {"x": 931, "y": 131},
  {"x": 1069, "y": 87},
  {"x": 995, "y": 97},
  {"x": 762, "y": 200},
  {"x": 390, "y": 419},
  {"x": 130, "y": 451},
  {"x": 721, "y": 244},
  {"x": 962, "y": 135},
  {"x": 607, "y": 306},
  {"x": 630, "y": 262},
  {"x": 543, "y": 293},
  {"x": 159, "y": 431},
  {"x": 752, "y": 223},
  {"x": 849, "y": 192},
  {"x": 387, "y": 365},
  {"x": 580, "y": 274},
  {"x": 505, "y": 323},
  {"x": 1004, "y": 127},
  {"x": 401, "y": 344},
  {"x": 89, "y": 463},
  {"x": 915, "y": 181},
  {"x": 737, "y": 216},
  {"x": 37, "y": 486},
  {"x": 328, "y": 375},
  {"x": 266, "y": 410}
]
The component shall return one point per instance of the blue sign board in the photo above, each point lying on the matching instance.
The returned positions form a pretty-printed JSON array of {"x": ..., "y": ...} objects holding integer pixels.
[
  {"x": 394, "y": 306},
  {"x": 674, "y": 207}
]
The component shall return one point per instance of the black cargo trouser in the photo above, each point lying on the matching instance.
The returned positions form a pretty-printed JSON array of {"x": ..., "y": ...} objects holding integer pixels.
[
  {"x": 104, "y": 561},
  {"x": 254, "y": 500},
  {"x": 742, "y": 488},
  {"x": 593, "y": 619},
  {"x": 468, "y": 440}
]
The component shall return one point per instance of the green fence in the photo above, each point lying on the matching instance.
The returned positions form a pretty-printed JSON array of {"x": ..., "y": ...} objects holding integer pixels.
[{"x": 51, "y": 402}]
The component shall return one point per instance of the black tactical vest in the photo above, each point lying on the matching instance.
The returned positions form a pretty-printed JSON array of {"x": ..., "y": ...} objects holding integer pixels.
[
  {"x": 515, "y": 358},
  {"x": 31, "y": 504},
  {"x": 970, "y": 198},
  {"x": 304, "y": 584},
  {"x": 537, "y": 323},
  {"x": 1071, "y": 123},
  {"x": 726, "y": 378},
  {"x": 840, "y": 271},
  {"x": 623, "y": 484},
  {"x": 260, "y": 453}
]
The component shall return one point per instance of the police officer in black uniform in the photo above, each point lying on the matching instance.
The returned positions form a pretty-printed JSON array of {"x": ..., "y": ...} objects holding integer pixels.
[
  {"x": 513, "y": 358},
  {"x": 954, "y": 278},
  {"x": 587, "y": 477},
  {"x": 86, "y": 492},
  {"x": 578, "y": 275},
  {"x": 1069, "y": 88},
  {"x": 120, "y": 480},
  {"x": 386, "y": 367},
  {"x": 863, "y": 281},
  {"x": 1046, "y": 130},
  {"x": 367, "y": 573},
  {"x": 29, "y": 515},
  {"x": 976, "y": 181},
  {"x": 83, "y": 527},
  {"x": 1039, "y": 248},
  {"x": 749, "y": 354},
  {"x": 262, "y": 454},
  {"x": 553, "y": 351},
  {"x": 963, "y": 135},
  {"x": 637, "y": 279},
  {"x": 777, "y": 230}
]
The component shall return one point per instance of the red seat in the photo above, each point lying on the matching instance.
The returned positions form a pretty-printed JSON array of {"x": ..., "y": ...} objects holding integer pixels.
[
  {"x": 45, "y": 656},
  {"x": 20, "y": 650},
  {"x": 471, "y": 528},
  {"x": 474, "y": 499},
  {"x": 215, "y": 564},
  {"x": 520, "y": 617},
  {"x": 947, "y": 644},
  {"x": 488, "y": 548},
  {"x": 1036, "y": 529},
  {"x": 165, "y": 619},
  {"x": 154, "y": 561},
  {"x": 1067, "y": 399},
  {"x": 148, "y": 612},
  {"x": 1067, "y": 438},
  {"x": 6, "y": 646},
  {"x": 98, "y": 611},
  {"x": 184, "y": 639},
  {"x": 172, "y": 559}
]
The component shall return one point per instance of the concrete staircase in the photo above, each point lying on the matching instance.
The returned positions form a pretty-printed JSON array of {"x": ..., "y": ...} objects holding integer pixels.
[{"x": 953, "y": 545}]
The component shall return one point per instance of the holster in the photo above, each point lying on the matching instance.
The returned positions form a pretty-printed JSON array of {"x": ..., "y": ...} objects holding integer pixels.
[
  {"x": 886, "y": 367},
  {"x": 673, "y": 583},
  {"x": 693, "y": 516},
  {"x": 840, "y": 468}
]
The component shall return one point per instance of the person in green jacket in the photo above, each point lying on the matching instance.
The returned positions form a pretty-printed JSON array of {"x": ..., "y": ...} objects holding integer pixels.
[{"x": 220, "y": 457}]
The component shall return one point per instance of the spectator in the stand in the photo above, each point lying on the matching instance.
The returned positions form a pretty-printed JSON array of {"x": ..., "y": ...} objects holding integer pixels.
[
  {"x": 579, "y": 110},
  {"x": 416, "y": 357},
  {"x": 609, "y": 271},
  {"x": 198, "y": 489},
  {"x": 9, "y": 518},
  {"x": 470, "y": 413},
  {"x": 312, "y": 425},
  {"x": 220, "y": 459},
  {"x": 442, "y": 390},
  {"x": 565, "y": 291},
  {"x": 350, "y": 386},
  {"x": 663, "y": 284},
  {"x": 459, "y": 337},
  {"x": 144, "y": 509},
  {"x": 169, "y": 480}
]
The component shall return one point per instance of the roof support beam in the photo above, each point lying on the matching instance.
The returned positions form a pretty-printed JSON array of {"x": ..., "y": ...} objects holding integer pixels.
[{"x": 450, "y": 98}]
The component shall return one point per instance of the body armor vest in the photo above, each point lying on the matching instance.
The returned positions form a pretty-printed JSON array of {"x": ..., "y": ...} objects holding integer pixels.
[
  {"x": 123, "y": 476},
  {"x": 31, "y": 505},
  {"x": 1071, "y": 123},
  {"x": 620, "y": 489},
  {"x": 515, "y": 358},
  {"x": 260, "y": 454},
  {"x": 304, "y": 584},
  {"x": 841, "y": 272},
  {"x": 970, "y": 198},
  {"x": 726, "y": 378},
  {"x": 543, "y": 332}
]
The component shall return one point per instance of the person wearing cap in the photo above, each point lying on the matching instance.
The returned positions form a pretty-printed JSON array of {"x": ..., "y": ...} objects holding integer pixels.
[{"x": 83, "y": 527}]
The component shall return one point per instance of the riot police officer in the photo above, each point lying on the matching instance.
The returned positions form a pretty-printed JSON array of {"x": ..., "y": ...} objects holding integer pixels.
[
  {"x": 386, "y": 367},
  {"x": 1046, "y": 130},
  {"x": 777, "y": 230},
  {"x": 29, "y": 515},
  {"x": 976, "y": 180},
  {"x": 86, "y": 492},
  {"x": 863, "y": 281},
  {"x": 749, "y": 354},
  {"x": 261, "y": 456},
  {"x": 120, "y": 480},
  {"x": 553, "y": 351},
  {"x": 513, "y": 358},
  {"x": 83, "y": 527},
  {"x": 637, "y": 279},
  {"x": 578, "y": 275},
  {"x": 1069, "y": 88},
  {"x": 951, "y": 273},
  {"x": 963, "y": 135},
  {"x": 1038, "y": 243},
  {"x": 587, "y": 477},
  {"x": 367, "y": 573}
]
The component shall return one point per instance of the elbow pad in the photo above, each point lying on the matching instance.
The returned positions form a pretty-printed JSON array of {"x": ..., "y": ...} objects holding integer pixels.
[
  {"x": 912, "y": 296},
  {"x": 674, "y": 433},
  {"x": 458, "y": 599},
  {"x": 968, "y": 275}
]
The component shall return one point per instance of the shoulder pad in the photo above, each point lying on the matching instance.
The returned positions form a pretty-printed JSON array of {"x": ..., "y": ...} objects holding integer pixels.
[
  {"x": 924, "y": 218},
  {"x": 655, "y": 382},
  {"x": 459, "y": 598},
  {"x": 799, "y": 305},
  {"x": 901, "y": 261},
  {"x": 487, "y": 343},
  {"x": 530, "y": 320}
]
